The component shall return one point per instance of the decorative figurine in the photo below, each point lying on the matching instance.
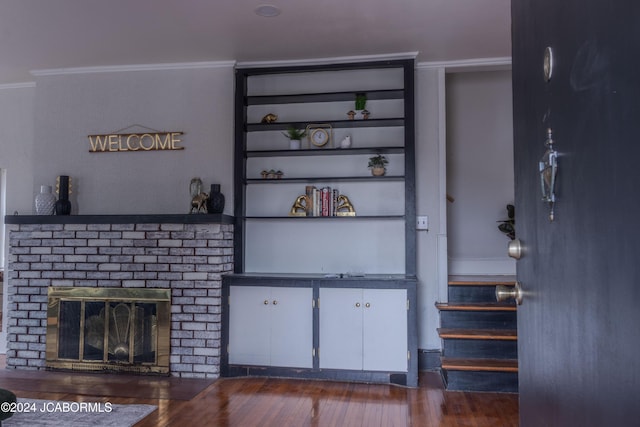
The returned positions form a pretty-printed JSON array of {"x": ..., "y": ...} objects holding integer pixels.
[
  {"x": 365, "y": 114},
  {"x": 199, "y": 203},
  {"x": 344, "y": 208},
  {"x": 346, "y": 142},
  {"x": 269, "y": 118},
  {"x": 195, "y": 187},
  {"x": 299, "y": 207},
  {"x": 351, "y": 114}
]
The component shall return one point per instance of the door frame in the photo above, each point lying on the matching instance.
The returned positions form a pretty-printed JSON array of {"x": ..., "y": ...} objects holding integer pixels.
[{"x": 443, "y": 68}]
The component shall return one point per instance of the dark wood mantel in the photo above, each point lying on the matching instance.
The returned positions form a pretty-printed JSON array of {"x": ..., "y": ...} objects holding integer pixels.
[{"x": 121, "y": 219}]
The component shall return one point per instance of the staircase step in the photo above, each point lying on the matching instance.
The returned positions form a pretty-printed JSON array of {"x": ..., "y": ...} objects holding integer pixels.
[
  {"x": 476, "y": 289},
  {"x": 485, "y": 365},
  {"x": 479, "y": 348},
  {"x": 481, "y": 306},
  {"x": 481, "y": 381},
  {"x": 482, "y": 280},
  {"x": 454, "y": 318},
  {"x": 478, "y": 334}
]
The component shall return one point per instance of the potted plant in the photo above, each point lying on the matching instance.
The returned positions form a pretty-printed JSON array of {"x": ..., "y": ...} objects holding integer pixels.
[
  {"x": 295, "y": 135},
  {"x": 377, "y": 165},
  {"x": 508, "y": 226},
  {"x": 361, "y": 103}
]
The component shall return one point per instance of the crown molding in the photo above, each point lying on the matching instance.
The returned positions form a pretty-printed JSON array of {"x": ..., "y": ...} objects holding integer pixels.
[
  {"x": 141, "y": 67},
  {"x": 503, "y": 63},
  {"x": 324, "y": 61},
  {"x": 25, "y": 85}
]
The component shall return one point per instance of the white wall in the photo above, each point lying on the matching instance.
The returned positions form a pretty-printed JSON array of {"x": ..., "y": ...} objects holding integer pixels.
[
  {"x": 198, "y": 102},
  {"x": 16, "y": 165},
  {"x": 479, "y": 170},
  {"x": 16, "y": 147}
]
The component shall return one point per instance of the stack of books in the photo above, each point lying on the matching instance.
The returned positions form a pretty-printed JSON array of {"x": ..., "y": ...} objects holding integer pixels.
[{"x": 321, "y": 201}]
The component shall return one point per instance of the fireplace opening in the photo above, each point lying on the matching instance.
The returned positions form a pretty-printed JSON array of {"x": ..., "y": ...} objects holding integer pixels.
[{"x": 111, "y": 329}]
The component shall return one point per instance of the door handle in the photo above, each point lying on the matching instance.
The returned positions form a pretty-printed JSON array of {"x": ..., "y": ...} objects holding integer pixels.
[
  {"x": 504, "y": 293},
  {"x": 515, "y": 249}
]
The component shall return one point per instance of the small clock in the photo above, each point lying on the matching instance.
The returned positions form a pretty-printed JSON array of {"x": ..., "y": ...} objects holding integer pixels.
[{"x": 319, "y": 135}]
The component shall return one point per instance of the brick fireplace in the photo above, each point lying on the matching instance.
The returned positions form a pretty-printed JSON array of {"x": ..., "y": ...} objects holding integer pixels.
[{"x": 186, "y": 254}]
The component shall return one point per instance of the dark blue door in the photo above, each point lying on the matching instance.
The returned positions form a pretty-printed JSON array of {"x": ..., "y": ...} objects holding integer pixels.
[{"x": 579, "y": 324}]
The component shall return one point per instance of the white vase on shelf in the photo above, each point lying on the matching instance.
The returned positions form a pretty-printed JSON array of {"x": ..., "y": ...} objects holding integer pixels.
[
  {"x": 45, "y": 201},
  {"x": 294, "y": 144}
]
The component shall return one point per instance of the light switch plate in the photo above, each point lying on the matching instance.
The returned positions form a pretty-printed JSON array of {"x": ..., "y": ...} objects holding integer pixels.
[{"x": 422, "y": 222}]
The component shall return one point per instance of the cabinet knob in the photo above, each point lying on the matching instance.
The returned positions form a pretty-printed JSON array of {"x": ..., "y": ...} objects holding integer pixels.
[
  {"x": 357, "y": 304},
  {"x": 367, "y": 305},
  {"x": 275, "y": 302},
  {"x": 266, "y": 302}
]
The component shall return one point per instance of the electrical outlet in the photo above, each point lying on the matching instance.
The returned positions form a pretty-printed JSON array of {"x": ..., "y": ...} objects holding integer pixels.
[{"x": 422, "y": 222}]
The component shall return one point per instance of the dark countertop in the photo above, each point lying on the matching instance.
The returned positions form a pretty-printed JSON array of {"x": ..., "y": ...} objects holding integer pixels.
[{"x": 346, "y": 279}]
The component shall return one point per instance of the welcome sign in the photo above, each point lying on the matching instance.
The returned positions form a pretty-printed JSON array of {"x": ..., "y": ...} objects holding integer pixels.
[{"x": 150, "y": 141}]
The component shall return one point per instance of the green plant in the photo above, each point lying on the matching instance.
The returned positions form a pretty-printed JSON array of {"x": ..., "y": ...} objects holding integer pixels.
[
  {"x": 361, "y": 101},
  {"x": 378, "y": 161},
  {"x": 293, "y": 133},
  {"x": 508, "y": 226}
]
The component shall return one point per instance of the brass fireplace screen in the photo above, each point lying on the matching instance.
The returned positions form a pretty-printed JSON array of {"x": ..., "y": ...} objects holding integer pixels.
[{"x": 109, "y": 329}]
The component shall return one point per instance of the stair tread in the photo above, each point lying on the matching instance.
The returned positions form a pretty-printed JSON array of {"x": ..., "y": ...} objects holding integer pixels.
[
  {"x": 500, "y": 365},
  {"x": 484, "y": 306},
  {"x": 479, "y": 334},
  {"x": 482, "y": 280}
]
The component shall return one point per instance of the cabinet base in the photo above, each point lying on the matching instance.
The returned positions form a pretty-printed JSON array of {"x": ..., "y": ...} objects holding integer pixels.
[{"x": 370, "y": 377}]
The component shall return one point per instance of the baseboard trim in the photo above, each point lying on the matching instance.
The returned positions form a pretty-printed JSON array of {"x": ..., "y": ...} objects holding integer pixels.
[{"x": 429, "y": 360}]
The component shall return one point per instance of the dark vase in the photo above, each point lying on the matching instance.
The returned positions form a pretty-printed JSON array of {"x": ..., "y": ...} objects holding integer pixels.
[
  {"x": 215, "y": 204},
  {"x": 63, "y": 205}
]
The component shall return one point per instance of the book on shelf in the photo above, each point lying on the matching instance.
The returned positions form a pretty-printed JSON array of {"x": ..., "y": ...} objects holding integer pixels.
[{"x": 321, "y": 201}]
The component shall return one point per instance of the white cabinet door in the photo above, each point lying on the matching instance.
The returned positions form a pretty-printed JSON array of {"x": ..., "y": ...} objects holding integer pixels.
[
  {"x": 271, "y": 326},
  {"x": 363, "y": 329},
  {"x": 249, "y": 325},
  {"x": 340, "y": 328},
  {"x": 385, "y": 340},
  {"x": 292, "y": 327}
]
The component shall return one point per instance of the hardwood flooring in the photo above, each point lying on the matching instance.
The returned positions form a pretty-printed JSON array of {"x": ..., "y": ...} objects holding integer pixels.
[{"x": 247, "y": 402}]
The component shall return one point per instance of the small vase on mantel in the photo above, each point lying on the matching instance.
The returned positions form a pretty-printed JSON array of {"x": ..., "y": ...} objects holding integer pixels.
[
  {"x": 45, "y": 201},
  {"x": 63, "y": 205},
  {"x": 215, "y": 204}
]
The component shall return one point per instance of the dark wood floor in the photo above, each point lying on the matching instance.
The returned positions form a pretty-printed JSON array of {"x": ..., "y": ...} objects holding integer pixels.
[{"x": 246, "y": 402}]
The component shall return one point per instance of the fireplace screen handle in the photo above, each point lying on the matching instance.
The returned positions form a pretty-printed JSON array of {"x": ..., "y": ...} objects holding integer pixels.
[{"x": 122, "y": 323}]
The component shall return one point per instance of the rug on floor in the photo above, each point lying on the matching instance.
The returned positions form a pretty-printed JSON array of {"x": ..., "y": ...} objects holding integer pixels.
[{"x": 36, "y": 412}]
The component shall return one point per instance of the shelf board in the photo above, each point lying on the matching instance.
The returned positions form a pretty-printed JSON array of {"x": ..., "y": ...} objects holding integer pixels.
[
  {"x": 261, "y": 127},
  {"x": 325, "y": 179},
  {"x": 325, "y": 152},
  {"x": 324, "y": 218},
  {"x": 372, "y": 95}
]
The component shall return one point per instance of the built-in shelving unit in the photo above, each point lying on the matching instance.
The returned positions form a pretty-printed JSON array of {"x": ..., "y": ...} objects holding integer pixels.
[{"x": 378, "y": 242}]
